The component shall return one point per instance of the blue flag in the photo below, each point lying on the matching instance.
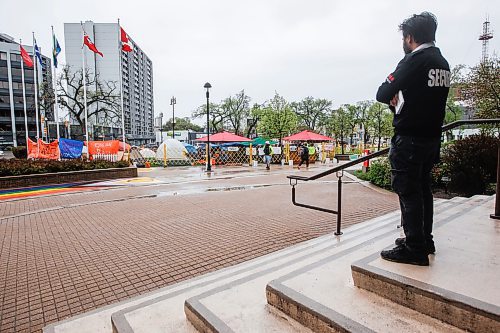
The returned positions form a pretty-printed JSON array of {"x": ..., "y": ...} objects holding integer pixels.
[
  {"x": 70, "y": 148},
  {"x": 55, "y": 50},
  {"x": 38, "y": 55}
]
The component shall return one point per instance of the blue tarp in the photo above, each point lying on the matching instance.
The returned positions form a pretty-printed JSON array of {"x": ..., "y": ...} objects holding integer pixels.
[
  {"x": 190, "y": 148},
  {"x": 70, "y": 148},
  {"x": 232, "y": 144},
  {"x": 212, "y": 145}
]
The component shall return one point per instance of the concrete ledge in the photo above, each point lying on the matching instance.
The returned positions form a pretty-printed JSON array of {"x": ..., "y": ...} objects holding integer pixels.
[
  {"x": 309, "y": 313},
  {"x": 66, "y": 177},
  {"x": 202, "y": 320},
  {"x": 458, "y": 310}
]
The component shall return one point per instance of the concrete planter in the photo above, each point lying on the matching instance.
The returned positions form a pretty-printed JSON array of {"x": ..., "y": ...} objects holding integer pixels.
[{"x": 66, "y": 177}]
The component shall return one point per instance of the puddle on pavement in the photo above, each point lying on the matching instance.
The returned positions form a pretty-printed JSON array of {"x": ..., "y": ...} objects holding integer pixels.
[{"x": 211, "y": 189}]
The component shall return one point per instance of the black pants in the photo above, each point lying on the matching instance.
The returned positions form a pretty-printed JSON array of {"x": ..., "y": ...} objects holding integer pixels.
[
  {"x": 412, "y": 159},
  {"x": 304, "y": 159}
]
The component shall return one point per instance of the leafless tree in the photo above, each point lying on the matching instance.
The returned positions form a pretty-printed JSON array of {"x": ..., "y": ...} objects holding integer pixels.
[{"x": 103, "y": 97}]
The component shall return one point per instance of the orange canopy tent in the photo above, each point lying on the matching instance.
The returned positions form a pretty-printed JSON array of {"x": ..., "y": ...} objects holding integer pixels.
[
  {"x": 308, "y": 136},
  {"x": 224, "y": 137}
]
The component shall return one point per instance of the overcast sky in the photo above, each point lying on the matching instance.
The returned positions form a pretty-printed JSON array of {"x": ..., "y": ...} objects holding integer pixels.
[{"x": 339, "y": 50}]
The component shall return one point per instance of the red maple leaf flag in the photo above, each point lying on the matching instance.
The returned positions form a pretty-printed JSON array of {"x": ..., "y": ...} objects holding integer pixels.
[
  {"x": 126, "y": 44},
  {"x": 26, "y": 57},
  {"x": 90, "y": 45}
]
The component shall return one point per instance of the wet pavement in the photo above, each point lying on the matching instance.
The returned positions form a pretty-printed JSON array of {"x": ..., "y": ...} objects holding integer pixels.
[{"x": 64, "y": 254}]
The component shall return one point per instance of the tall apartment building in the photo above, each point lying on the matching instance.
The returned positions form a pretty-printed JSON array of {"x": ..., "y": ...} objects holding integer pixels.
[
  {"x": 137, "y": 72},
  {"x": 12, "y": 125}
]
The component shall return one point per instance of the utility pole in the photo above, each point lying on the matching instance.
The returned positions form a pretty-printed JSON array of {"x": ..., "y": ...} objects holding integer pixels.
[
  {"x": 173, "y": 101},
  {"x": 161, "y": 127}
]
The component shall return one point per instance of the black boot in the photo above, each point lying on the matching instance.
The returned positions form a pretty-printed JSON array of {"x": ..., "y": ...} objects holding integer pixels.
[
  {"x": 401, "y": 254},
  {"x": 431, "y": 249}
]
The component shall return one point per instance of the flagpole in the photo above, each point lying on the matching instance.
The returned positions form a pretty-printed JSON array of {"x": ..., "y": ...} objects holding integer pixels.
[
  {"x": 121, "y": 84},
  {"x": 35, "y": 78},
  {"x": 24, "y": 98},
  {"x": 54, "y": 87},
  {"x": 84, "y": 86}
]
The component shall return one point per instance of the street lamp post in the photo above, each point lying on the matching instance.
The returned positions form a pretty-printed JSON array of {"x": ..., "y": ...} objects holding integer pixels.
[
  {"x": 161, "y": 127},
  {"x": 173, "y": 101},
  {"x": 209, "y": 164}
]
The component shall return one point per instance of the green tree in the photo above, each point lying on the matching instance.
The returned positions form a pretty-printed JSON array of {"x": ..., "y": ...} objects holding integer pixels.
[
  {"x": 256, "y": 113},
  {"x": 481, "y": 88},
  {"x": 312, "y": 112},
  {"x": 454, "y": 111},
  {"x": 353, "y": 119},
  {"x": 362, "y": 116},
  {"x": 379, "y": 120},
  {"x": 182, "y": 124},
  {"x": 278, "y": 119},
  {"x": 215, "y": 115},
  {"x": 339, "y": 124},
  {"x": 235, "y": 110}
]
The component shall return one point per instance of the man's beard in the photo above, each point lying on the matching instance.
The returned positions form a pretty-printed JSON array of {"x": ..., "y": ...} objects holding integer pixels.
[{"x": 406, "y": 47}]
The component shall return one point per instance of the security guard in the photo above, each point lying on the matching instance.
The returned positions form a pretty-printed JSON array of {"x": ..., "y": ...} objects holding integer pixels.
[{"x": 416, "y": 92}]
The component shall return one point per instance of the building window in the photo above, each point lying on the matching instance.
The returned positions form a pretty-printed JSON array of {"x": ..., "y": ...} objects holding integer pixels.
[
  {"x": 5, "y": 127},
  {"x": 29, "y": 73},
  {"x": 16, "y": 72},
  {"x": 15, "y": 57},
  {"x": 3, "y": 56}
]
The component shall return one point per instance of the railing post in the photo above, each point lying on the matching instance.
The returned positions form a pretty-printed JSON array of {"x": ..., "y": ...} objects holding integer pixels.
[
  {"x": 497, "y": 201},
  {"x": 339, "y": 204}
]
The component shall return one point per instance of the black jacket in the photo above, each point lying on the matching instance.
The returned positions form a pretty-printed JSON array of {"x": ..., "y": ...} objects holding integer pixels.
[{"x": 424, "y": 79}]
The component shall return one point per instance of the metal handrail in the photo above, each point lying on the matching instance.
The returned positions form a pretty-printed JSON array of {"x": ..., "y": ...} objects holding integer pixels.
[{"x": 340, "y": 169}]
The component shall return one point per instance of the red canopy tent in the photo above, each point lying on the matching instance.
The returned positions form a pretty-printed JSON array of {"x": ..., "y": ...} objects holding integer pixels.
[
  {"x": 224, "y": 137},
  {"x": 307, "y": 136}
]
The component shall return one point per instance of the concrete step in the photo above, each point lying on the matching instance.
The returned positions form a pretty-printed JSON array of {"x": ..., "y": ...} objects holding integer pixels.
[
  {"x": 100, "y": 320},
  {"x": 241, "y": 305},
  {"x": 322, "y": 296},
  {"x": 462, "y": 286}
]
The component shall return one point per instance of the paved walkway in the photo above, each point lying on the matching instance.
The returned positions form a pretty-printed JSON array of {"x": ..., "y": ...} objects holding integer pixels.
[{"x": 61, "y": 255}]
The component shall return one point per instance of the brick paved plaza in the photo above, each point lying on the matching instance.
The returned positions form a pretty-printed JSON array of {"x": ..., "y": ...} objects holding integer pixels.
[{"x": 66, "y": 254}]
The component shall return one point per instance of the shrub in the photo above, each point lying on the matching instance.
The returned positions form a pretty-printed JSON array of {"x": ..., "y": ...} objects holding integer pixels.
[
  {"x": 14, "y": 167},
  {"x": 20, "y": 152},
  {"x": 380, "y": 173},
  {"x": 361, "y": 175},
  {"x": 471, "y": 164}
]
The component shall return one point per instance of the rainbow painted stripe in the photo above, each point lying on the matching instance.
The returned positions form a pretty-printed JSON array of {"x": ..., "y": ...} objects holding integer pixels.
[{"x": 43, "y": 190}]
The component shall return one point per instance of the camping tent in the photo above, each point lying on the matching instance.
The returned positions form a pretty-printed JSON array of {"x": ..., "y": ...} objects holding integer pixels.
[
  {"x": 224, "y": 137},
  {"x": 175, "y": 150},
  {"x": 147, "y": 153},
  {"x": 308, "y": 136}
]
